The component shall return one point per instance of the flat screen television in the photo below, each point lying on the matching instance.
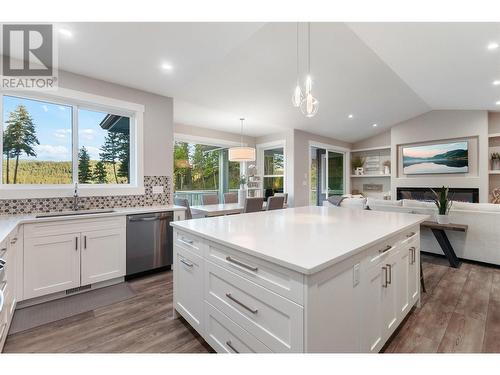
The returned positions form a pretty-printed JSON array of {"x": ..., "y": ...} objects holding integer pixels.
[{"x": 436, "y": 158}]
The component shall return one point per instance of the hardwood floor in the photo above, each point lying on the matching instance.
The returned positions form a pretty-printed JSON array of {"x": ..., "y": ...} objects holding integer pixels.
[{"x": 460, "y": 313}]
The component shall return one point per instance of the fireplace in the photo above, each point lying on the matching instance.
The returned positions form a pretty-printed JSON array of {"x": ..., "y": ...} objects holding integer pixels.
[{"x": 470, "y": 195}]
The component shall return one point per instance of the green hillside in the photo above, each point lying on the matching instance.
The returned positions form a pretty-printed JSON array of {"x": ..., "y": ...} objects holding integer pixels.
[{"x": 50, "y": 172}]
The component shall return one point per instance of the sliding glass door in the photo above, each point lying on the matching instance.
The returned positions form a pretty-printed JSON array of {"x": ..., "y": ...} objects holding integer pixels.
[{"x": 327, "y": 171}]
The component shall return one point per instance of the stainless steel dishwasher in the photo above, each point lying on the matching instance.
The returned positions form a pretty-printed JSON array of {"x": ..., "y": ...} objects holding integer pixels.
[{"x": 149, "y": 242}]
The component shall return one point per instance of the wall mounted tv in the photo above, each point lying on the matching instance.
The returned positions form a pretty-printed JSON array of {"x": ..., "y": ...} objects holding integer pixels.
[{"x": 436, "y": 158}]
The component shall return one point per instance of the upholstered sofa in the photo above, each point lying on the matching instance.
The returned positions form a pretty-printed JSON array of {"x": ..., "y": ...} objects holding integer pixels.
[{"x": 480, "y": 243}]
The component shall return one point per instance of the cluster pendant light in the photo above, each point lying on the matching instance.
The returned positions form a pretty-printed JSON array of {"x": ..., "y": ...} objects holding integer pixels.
[
  {"x": 307, "y": 103},
  {"x": 241, "y": 153}
]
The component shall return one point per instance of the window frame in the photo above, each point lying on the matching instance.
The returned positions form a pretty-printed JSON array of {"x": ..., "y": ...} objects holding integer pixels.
[
  {"x": 261, "y": 148},
  {"x": 81, "y": 100}
]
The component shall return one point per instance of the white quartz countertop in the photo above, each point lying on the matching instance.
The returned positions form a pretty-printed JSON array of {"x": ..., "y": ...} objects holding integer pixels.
[
  {"x": 9, "y": 222},
  {"x": 304, "y": 239}
]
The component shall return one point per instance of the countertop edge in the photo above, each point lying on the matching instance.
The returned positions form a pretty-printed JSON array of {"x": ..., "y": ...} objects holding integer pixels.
[
  {"x": 13, "y": 221},
  {"x": 295, "y": 267}
]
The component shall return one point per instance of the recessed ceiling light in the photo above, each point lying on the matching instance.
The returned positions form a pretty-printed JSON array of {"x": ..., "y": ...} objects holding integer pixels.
[
  {"x": 496, "y": 82},
  {"x": 492, "y": 46},
  {"x": 167, "y": 67},
  {"x": 498, "y": 102},
  {"x": 374, "y": 125},
  {"x": 65, "y": 32},
  {"x": 350, "y": 116}
]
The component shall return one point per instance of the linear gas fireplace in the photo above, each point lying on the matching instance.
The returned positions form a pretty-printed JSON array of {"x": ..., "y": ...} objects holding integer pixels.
[{"x": 470, "y": 195}]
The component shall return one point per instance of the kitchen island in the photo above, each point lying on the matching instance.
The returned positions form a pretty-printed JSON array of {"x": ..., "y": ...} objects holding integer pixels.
[{"x": 308, "y": 279}]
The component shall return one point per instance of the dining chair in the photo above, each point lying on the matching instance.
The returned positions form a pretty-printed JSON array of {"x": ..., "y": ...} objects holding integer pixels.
[
  {"x": 209, "y": 199},
  {"x": 282, "y": 195},
  {"x": 253, "y": 205},
  {"x": 275, "y": 203},
  {"x": 230, "y": 197},
  {"x": 183, "y": 202}
]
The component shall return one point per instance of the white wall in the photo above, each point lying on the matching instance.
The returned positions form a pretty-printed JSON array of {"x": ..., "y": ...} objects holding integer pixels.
[
  {"x": 441, "y": 126},
  {"x": 158, "y": 118},
  {"x": 380, "y": 140}
]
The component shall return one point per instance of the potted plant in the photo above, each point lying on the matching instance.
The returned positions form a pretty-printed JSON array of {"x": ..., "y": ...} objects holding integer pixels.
[
  {"x": 495, "y": 161},
  {"x": 242, "y": 193},
  {"x": 387, "y": 167},
  {"x": 443, "y": 204},
  {"x": 357, "y": 163}
]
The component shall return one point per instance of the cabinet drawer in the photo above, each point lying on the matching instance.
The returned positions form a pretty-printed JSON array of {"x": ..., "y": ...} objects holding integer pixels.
[
  {"x": 189, "y": 242},
  {"x": 225, "y": 336},
  {"x": 72, "y": 225},
  {"x": 274, "y": 320},
  {"x": 188, "y": 286},
  {"x": 282, "y": 281}
]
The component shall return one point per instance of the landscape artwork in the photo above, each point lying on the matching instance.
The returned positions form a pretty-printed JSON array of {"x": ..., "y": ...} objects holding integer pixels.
[{"x": 436, "y": 158}]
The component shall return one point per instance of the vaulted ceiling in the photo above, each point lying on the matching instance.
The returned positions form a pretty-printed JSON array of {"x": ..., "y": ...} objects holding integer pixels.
[{"x": 380, "y": 73}]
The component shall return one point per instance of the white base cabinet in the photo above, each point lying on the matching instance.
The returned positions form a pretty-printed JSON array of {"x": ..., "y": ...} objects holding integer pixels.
[
  {"x": 240, "y": 303},
  {"x": 72, "y": 253}
]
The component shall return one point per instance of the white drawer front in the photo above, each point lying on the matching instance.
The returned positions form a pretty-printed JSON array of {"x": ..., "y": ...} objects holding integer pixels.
[
  {"x": 188, "y": 286},
  {"x": 189, "y": 242},
  {"x": 275, "y": 321},
  {"x": 225, "y": 336},
  {"x": 286, "y": 283}
]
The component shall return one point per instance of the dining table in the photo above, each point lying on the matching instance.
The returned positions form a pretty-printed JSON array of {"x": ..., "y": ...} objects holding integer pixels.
[{"x": 221, "y": 209}]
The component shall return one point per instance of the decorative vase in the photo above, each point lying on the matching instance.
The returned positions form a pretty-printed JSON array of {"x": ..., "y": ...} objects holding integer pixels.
[
  {"x": 495, "y": 164},
  {"x": 443, "y": 219},
  {"x": 387, "y": 170},
  {"x": 242, "y": 196}
]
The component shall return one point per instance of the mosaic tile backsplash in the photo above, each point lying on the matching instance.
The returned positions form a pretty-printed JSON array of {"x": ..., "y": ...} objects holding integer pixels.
[{"x": 38, "y": 205}]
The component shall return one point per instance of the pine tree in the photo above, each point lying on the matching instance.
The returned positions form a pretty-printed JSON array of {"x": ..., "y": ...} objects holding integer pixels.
[
  {"x": 7, "y": 151},
  {"x": 111, "y": 151},
  {"x": 123, "y": 169},
  {"x": 100, "y": 174},
  {"x": 84, "y": 168},
  {"x": 21, "y": 134}
]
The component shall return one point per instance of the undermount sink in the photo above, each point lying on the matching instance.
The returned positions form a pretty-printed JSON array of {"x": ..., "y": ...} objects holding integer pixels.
[{"x": 73, "y": 213}]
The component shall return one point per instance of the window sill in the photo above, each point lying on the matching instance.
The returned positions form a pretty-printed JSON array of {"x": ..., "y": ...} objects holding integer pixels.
[{"x": 65, "y": 191}]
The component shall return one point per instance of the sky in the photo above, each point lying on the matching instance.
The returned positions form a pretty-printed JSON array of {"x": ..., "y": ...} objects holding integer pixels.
[
  {"x": 53, "y": 128},
  {"x": 432, "y": 150}
]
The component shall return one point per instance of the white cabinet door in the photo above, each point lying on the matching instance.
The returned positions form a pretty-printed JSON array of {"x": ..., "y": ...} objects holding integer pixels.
[
  {"x": 103, "y": 255},
  {"x": 402, "y": 280},
  {"x": 188, "y": 286},
  {"x": 51, "y": 264},
  {"x": 414, "y": 274},
  {"x": 372, "y": 309},
  {"x": 390, "y": 313}
]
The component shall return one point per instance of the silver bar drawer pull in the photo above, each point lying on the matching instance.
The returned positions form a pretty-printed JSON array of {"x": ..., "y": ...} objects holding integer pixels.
[
  {"x": 189, "y": 264},
  {"x": 389, "y": 268},
  {"x": 253, "y": 311},
  {"x": 385, "y": 277},
  {"x": 387, "y": 248},
  {"x": 240, "y": 263},
  {"x": 410, "y": 235},
  {"x": 228, "y": 343},
  {"x": 186, "y": 241}
]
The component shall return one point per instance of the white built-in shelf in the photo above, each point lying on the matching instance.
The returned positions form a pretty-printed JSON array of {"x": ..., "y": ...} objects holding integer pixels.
[
  {"x": 494, "y": 135},
  {"x": 494, "y": 172},
  {"x": 372, "y": 148},
  {"x": 370, "y": 175}
]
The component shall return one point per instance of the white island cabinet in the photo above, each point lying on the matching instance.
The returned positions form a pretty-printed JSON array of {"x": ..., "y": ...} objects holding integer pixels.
[{"x": 310, "y": 279}]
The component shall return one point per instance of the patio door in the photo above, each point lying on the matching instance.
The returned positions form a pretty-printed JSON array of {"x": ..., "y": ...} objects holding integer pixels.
[{"x": 327, "y": 171}]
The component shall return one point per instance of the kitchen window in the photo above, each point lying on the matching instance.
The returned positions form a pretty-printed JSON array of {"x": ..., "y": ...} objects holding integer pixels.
[{"x": 55, "y": 142}]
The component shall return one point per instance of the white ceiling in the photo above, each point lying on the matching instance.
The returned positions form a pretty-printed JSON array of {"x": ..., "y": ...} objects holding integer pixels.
[{"x": 382, "y": 73}]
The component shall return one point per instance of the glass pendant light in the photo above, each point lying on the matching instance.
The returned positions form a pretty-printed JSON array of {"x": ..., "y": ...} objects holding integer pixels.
[
  {"x": 241, "y": 153},
  {"x": 297, "y": 93},
  {"x": 309, "y": 105}
]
